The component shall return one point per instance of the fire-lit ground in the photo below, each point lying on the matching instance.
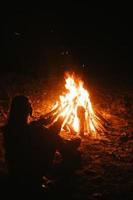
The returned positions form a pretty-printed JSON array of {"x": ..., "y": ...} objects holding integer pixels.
[{"x": 107, "y": 163}]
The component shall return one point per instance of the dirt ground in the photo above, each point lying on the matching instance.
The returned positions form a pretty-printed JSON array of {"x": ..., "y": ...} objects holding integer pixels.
[{"x": 107, "y": 163}]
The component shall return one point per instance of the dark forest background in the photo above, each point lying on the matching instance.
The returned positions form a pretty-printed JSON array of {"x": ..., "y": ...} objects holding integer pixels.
[{"x": 95, "y": 41}]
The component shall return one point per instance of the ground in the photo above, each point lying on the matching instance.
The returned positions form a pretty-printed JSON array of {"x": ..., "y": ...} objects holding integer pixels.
[{"x": 107, "y": 163}]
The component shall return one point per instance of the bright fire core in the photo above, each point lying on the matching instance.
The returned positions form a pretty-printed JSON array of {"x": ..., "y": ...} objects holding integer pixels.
[{"x": 68, "y": 104}]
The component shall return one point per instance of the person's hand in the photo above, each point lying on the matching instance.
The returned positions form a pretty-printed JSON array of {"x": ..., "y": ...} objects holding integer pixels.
[{"x": 45, "y": 120}]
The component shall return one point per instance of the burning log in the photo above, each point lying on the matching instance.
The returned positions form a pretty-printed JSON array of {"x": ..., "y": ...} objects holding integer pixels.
[
  {"x": 81, "y": 116},
  {"x": 76, "y": 110}
]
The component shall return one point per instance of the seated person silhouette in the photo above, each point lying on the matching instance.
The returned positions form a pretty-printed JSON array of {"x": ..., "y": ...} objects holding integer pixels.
[{"x": 30, "y": 147}]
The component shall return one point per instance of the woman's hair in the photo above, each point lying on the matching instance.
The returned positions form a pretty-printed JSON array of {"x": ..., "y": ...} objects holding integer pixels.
[{"x": 19, "y": 110}]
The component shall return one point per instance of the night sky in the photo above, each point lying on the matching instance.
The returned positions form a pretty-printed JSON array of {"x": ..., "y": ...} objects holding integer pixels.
[{"x": 97, "y": 40}]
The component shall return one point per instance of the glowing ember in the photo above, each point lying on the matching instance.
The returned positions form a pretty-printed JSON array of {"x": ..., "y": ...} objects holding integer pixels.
[{"x": 76, "y": 109}]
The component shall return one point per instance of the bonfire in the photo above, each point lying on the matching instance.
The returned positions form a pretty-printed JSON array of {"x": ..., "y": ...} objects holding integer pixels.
[{"x": 76, "y": 109}]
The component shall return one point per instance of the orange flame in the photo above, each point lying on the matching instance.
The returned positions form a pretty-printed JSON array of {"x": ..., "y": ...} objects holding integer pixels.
[{"x": 77, "y": 96}]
